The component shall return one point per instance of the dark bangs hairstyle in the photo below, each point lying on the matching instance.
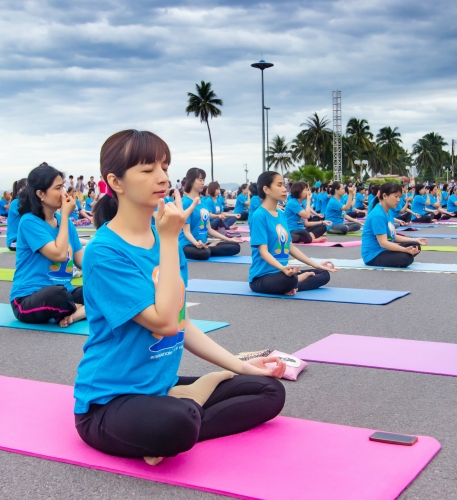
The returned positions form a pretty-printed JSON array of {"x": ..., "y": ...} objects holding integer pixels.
[
  {"x": 417, "y": 188},
  {"x": 40, "y": 178},
  {"x": 387, "y": 189},
  {"x": 212, "y": 188},
  {"x": 192, "y": 175},
  {"x": 120, "y": 152},
  {"x": 297, "y": 189},
  {"x": 265, "y": 180},
  {"x": 334, "y": 187}
]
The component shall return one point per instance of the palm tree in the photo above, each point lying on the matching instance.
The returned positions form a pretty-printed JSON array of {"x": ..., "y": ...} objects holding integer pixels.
[
  {"x": 278, "y": 146},
  {"x": 425, "y": 154},
  {"x": 389, "y": 143},
  {"x": 204, "y": 105},
  {"x": 359, "y": 132},
  {"x": 308, "y": 173},
  {"x": 301, "y": 151},
  {"x": 317, "y": 135},
  {"x": 350, "y": 153}
]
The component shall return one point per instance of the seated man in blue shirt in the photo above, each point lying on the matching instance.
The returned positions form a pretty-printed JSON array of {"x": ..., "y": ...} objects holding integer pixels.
[{"x": 5, "y": 204}]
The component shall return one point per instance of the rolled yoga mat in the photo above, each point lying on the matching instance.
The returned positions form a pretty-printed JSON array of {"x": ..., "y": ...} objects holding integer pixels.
[
  {"x": 7, "y": 275},
  {"x": 324, "y": 294},
  {"x": 391, "y": 354},
  {"x": 8, "y": 320},
  {"x": 318, "y": 460},
  {"x": 443, "y": 248}
]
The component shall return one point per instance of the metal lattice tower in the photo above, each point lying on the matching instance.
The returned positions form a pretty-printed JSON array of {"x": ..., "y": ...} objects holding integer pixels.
[{"x": 337, "y": 137}]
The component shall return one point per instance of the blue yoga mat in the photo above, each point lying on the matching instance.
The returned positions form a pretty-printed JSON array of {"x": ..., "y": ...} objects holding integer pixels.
[
  {"x": 8, "y": 320},
  {"x": 236, "y": 259},
  {"x": 442, "y": 236},
  {"x": 325, "y": 294},
  {"x": 418, "y": 227}
]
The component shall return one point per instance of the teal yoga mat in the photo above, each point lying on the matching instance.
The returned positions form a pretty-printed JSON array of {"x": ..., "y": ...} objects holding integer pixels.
[
  {"x": 8, "y": 320},
  {"x": 324, "y": 294}
]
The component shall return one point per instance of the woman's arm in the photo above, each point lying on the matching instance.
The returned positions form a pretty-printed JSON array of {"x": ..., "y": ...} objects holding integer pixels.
[
  {"x": 190, "y": 236},
  {"x": 78, "y": 258},
  {"x": 297, "y": 254},
  {"x": 216, "y": 234},
  {"x": 348, "y": 203},
  {"x": 392, "y": 245}
]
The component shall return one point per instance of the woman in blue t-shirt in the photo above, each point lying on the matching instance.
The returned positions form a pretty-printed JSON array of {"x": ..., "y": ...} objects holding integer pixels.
[
  {"x": 419, "y": 206},
  {"x": 357, "y": 210},
  {"x": 444, "y": 195},
  {"x": 298, "y": 216},
  {"x": 194, "y": 236},
  {"x": 218, "y": 219},
  {"x": 271, "y": 245},
  {"x": 47, "y": 247},
  {"x": 336, "y": 208},
  {"x": 130, "y": 401},
  {"x": 381, "y": 246},
  {"x": 78, "y": 212},
  {"x": 255, "y": 201},
  {"x": 452, "y": 201},
  {"x": 435, "y": 204},
  {"x": 90, "y": 202},
  {"x": 242, "y": 202},
  {"x": 401, "y": 213},
  {"x": 13, "y": 218}
]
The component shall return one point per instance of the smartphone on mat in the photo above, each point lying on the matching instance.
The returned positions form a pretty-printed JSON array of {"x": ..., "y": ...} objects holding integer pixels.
[{"x": 388, "y": 437}]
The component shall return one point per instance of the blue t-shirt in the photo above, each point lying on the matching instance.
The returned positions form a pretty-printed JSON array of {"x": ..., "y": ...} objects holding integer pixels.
[
  {"x": 13, "y": 223},
  {"x": 267, "y": 229},
  {"x": 318, "y": 202},
  {"x": 344, "y": 199},
  {"x": 370, "y": 204},
  {"x": 212, "y": 206},
  {"x": 89, "y": 203},
  {"x": 253, "y": 206},
  {"x": 240, "y": 206},
  {"x": 221, "y": 201},
  {"x": 334, "y": 211},
  {"x": 75, "y": 213},
  {"x": 3, "y": 210},
  {"x": 371, "y": 197},
  {"x": 121, "y": 356},
  {"x": 396, "y": 211},
  {"x": 34, "y": 271},
  {"x": 198, "y": 220},
  {"x": 318, "y": 184},
  {"x": 378, "y": 222},
  {"x": 433, "y": 200},
  {"x": 324, "y": 201},
  {"x": 451, "y": 203},
  {"x": 359, "y": 197},
  {"x": 294, "y": 221},
  {"x": 418, "y": 205},
  {"x": 169, "y": 199},
  {"x": 444, "y": 198}
]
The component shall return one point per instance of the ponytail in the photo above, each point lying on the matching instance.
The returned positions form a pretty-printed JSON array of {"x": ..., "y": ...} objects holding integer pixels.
[{"x": 104, "y": 210}]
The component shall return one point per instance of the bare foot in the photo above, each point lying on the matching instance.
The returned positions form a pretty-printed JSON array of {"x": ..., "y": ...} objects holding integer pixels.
[
  {"x": 320, "y": 240},
  {"x": 292, "y": 292},
  {"x": 303, "y": 276},
  {"x": 78, "y": 315},
  {"x": 202, "y": 388},
  {"x": 153, "y": 460}
]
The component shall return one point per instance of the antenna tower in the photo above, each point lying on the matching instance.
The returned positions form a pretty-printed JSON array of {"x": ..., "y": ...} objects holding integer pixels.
[{"x": 337, "y": 137}]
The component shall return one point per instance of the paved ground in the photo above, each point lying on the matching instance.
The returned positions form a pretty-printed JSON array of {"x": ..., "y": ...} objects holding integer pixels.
[{"x": 391, "y": 400}]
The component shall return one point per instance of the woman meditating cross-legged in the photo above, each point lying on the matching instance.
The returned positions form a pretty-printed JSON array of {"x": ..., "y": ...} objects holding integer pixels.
[
  {"x": 420, "y": 206},
  {"x": 194, "y": 236},
  {"x": 13, "y": 215},
  {"x": 271, "y": 245},
  {"x": 46, "y": 248},
  {"x": 130, "y": 402},
  {"x": 297, "y": 215},
  {"x": 336, "y": 208},
  {"x": 381, "y": 246}
]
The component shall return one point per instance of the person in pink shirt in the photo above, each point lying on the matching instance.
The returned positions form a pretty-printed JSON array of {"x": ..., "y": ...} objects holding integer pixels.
[{"x": 101, "y": 188}]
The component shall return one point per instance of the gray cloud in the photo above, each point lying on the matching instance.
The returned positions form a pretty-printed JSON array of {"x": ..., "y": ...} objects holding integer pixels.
[{"x": 71, "y": 73}]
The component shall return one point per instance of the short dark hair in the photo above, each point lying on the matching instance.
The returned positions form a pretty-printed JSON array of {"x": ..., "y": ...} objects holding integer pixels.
[
  {"x": 388, "y": 188},
  {"x": 191, "y": 176},
  {"x": 297, "y": 189},
  {"x": 212, "y": 188}
]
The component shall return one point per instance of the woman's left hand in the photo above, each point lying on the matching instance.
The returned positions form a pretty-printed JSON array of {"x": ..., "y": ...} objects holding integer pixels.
[
  {"x": 422, "y": 241},
  {"x": 236, "y": 240},
  {"x": 257, "y": 366},
  {"x": 327, "y": 266}
]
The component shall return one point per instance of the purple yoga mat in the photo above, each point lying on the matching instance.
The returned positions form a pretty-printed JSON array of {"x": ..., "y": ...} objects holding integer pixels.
[
  {"x": 391, "y": 354},
  {"x": 284, "y": 459}
]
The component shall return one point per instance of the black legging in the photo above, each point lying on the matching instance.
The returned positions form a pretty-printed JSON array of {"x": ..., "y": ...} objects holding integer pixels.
[
  {"x": 424, "y": 219},
  {"x": 348, "y": 227},
  {"x": 356, "y": 215},
  {"x": 222, "y": 249},
  {"x": 405, "y": 217},
  {"x": 304, "y": 235},
  {"x": 136, "y": 426},
  {"x": 225, "y": 223},
  {"x": 51, "y": 302},
  {"x": 244, "y": 216},
  {"x": 280, "y": 284},
  {"x": 389, "y": 258}
]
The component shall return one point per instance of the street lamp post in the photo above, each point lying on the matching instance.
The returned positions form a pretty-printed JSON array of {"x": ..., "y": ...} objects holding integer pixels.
[
  {"x": 262, "y": 65},
  {"x": 268, "y": 143},
  {"x": 246, "y": 170}
]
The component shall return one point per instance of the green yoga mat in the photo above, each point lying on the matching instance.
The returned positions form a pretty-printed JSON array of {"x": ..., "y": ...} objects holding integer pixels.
[
  {"x": 443, "y": 248},
  {"x": 84, "y": 229},
  {"x": 5, "y": 250},
  {"x": 7, "y": 275}
]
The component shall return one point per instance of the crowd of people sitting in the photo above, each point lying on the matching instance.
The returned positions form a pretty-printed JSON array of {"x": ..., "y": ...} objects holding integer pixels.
[{"x": 143, "y": 222}]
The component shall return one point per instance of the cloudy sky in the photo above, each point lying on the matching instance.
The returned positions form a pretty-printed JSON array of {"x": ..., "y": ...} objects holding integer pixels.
[{"x": 73, "y": 73}]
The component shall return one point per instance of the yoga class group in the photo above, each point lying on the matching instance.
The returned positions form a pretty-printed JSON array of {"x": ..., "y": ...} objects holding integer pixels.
[{"x": 112, "y": 257}]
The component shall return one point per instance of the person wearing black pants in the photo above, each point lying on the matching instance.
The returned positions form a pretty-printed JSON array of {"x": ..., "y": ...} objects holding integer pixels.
[
  {"x": 236, "y": 405},
  {"x": 405, "y": 217},
  {"x": 194, "y": 236},
  {"x": 381, "y": 246},
  {"x": 308, "y": 235},
  {"x": 271, "y": 244}
]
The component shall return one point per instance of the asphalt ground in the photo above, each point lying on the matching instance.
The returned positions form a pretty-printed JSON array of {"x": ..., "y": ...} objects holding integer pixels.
[{"x": 395, "y": 401}]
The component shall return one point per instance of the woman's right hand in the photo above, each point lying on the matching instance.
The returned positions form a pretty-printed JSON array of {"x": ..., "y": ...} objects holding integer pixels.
[
  {"x": 290, "y": 270},
  {"x": 200, "y": 244},
  {"x": 170, "y": 217},
  {"x": 68, "y": 204},
  {"x": 412, "y": 250}
]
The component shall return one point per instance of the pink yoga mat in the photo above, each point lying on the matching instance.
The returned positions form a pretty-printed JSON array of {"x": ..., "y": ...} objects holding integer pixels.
[
  {"x": 391, "y": 354},
  {"x": 286, "y": 458},
  {"x": 326, "y": 244}
]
